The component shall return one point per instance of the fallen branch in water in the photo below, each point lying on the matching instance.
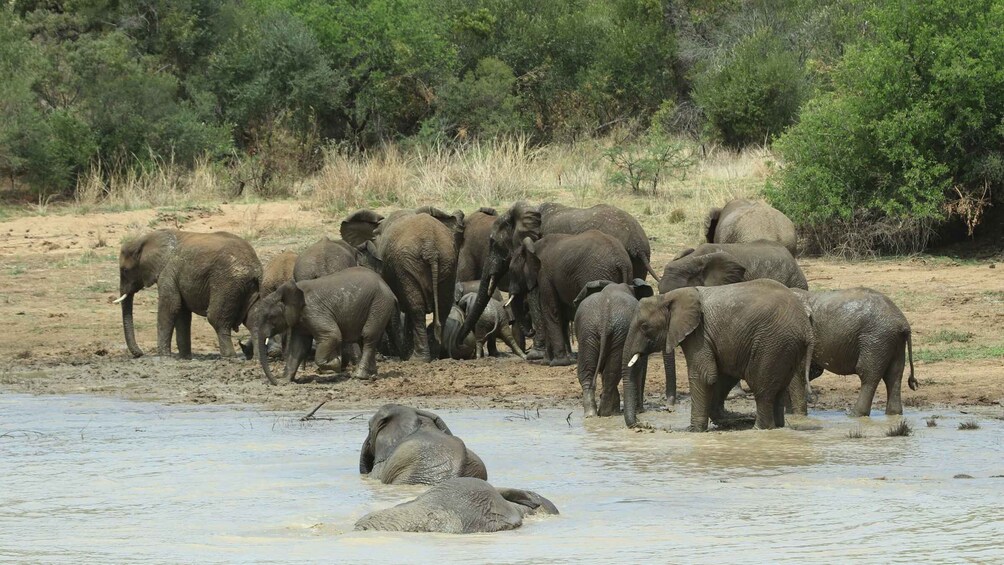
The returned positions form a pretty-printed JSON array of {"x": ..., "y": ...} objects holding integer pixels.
[{"x": 310, "y": 415}]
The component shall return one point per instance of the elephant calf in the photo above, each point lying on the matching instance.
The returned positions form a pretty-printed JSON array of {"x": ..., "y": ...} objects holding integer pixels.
[
  {"x": 339, "y": 310},
  {"x": 460, "y": 506},
  {"x": 410, "y": 446},
  {"x": 602, "y": 319},
  {"x": 860, "y": 331}
]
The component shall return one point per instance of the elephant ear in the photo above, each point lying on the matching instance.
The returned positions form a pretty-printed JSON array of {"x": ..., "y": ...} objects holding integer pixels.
[
  {"x": 721, "y": 269},
  {"x": 293, "y": 302},
  {"x": 440, "y": 424},
  {"x": 532, "y": 263},
  {"x": 360, "y": 227},
  {"x": 711, "y": 224},
  {"x": 684, "y": 314},
  {"x": 488, "y": 211},
  {"x": 683, "y": 253},
  {"x": 454, "y": 221},
  {"x": 641, "y": 289},
  {"x": 591, "y": 288},
  {"x": 526, "y": 221}
]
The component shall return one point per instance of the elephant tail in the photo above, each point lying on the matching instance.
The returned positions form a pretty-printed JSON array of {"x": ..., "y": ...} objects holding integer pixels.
[
  {"x": 437, "y": 324},
  {"x": 602, "y": 358},
  {"x": 912, "y": 381}
]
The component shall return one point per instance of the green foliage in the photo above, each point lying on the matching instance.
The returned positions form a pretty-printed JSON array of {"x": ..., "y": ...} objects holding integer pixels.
[
  {"x": 914, "y": 118},
  {"x": 755, "y": 93},
  {"x": 644, "y": 163},
  {"x": 483, "y": 103}
]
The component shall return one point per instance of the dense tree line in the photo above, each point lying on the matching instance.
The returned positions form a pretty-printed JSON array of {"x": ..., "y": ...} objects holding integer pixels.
[{"x": 896, "y": 105}]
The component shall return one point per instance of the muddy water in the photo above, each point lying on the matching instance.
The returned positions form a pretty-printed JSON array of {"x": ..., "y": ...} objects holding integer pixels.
[{"x": 101, "y": 480}]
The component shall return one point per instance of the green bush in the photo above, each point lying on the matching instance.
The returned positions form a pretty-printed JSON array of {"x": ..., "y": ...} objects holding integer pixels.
[
  {"x": 914, "y": 120},
  {"x": 484, "y": 103},
  {"x": 754, "y": 93}
]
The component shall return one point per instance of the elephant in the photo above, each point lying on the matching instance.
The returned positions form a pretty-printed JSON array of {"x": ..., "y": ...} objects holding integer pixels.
[
  {"x": 323, "y": 257},
  {"x": 746, "y": 221},
  {"x": 523, "y": 220},
  {"x": 472, "y": 253},
  {"x": 410, "y": 446},
  {"x": 603, "y": 315},
  {"x": 465, "y": 350},
  {"x": 550, "y": 272},
  {"x": 416, "y": 253},
  {"x": 339, "y": 310},
  {"x": 471, "y": 287},
  {"x": 860, "y": 331},
  {"x": 216, "y": 275},
  {"x": 758, "y": 331},
  {"x": 463, "y": 505},
  {"x": 278, "y": 270}
]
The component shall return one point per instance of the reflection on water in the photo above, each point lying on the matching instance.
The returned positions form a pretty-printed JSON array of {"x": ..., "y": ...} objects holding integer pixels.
[{"x": 101, "y": 480}]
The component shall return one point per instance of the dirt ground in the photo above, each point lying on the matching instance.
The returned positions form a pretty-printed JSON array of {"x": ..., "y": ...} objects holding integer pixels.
[{"x": 58, "y": 277}]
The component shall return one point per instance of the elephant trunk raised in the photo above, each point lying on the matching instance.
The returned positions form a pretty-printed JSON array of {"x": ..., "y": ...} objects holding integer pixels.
[
  {"x": 127, "y": 324},
  {"x": 263, "y": 332}
]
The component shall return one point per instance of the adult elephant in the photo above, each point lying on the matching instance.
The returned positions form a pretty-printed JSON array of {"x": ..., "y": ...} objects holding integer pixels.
[
  {"x": 746, "y": 221},
  {"x": 410, "y": 446},
  {"x": 474, "y": 250},
  {"x": 758, "y": 331},
  {"x": 715, "y": 264},
  {"x": 549, "y": 273},
  {"x": 216, "y": 275},
  {"x": 523, "y": 220},
  {"x": 416, "y": 253},
  {"x": 860, "y": 331},
  {"x": 324, "y": 257},
  {"x": 460, "y": 506}
]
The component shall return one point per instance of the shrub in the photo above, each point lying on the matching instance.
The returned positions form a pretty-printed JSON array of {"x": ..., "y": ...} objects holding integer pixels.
[{"x": 482, "y": 104}]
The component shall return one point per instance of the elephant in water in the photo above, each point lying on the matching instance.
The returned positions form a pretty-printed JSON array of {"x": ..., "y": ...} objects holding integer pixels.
[
  {"x": 463, "y": 505},
  {"x": 746, "y": 221},
  {"x": 410, "y": 446}
]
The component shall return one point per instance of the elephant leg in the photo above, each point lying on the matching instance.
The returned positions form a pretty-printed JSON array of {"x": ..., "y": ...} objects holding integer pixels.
[
  {"x": 869, "y": 383},
  {"x": 419, "y": 332},
  {"x": 796, "y": 395},
  {"x": 669, "y": 366},
  {"x": 765, "y": 410},
  {"x": 367, "y": 366},
  {"x": 493, "y": 348},
  {"x": 479, "y": 352},
  {"x": 893, "y": 380},
  {"x": 297, "y": 351},
  {"x": 328, "y": 356},
  {"x": 779, "y": 402},
  {"x": 539, "y": 350},
  {"x": 720, "y": 391},
  {"x": 587, "y": 380},
  {"x": 554, "y": 333},
  {"x": 610, "y": 398},
  {"x": 168, "y": 308},
  {"x": 702, "y": 373},
  {"x": 183, "y": 333}
]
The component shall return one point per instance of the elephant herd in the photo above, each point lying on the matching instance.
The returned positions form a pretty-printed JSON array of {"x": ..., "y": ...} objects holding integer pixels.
[{"x": 738, "y": 305}]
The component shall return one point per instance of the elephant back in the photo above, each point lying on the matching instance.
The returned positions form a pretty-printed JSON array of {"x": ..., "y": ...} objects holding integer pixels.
[
  {"x": 427, "y": 457},
  {"x": 617, "y": 223},
  {"x": 746, "y": 221}
]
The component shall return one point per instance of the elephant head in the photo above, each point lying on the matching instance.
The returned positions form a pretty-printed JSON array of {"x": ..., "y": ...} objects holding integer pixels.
[
  {"x": 637, "y": 288},
  {"x": 524, "y": 270},
  {"x": 140, "y": 262},
  {"x": 363, "y": 229},
  {"x": 662, "y": 322},
  {"x": 711, "y": 224},
  {"x": 527, "y": 501},
  {"x": 391, "y": 424},
  {"x": 510, "y": 229},
  {"x": 276, "y": 313},
  {"x": 713, "y": 269}
]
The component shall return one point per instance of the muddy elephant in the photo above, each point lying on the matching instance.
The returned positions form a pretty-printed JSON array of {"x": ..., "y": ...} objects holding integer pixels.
[
  {"x": 347, "y": 308},
  {"x": 474, "y": 249},
  {"x": 460, "y": 506},
  {"x": 471, "y": 287},
  {"x": 758, "y": 331},
  {"x": 549, "y": 273},
  {"x": 860, "y": 331},
  {"x": 277, "y": 271},
  {"x": 746, "y": 221},
  {"x": 323, "y": 257},
  {"x": 602, "y": 319},
  {"x": 523, "y": 220},
  {"x": 410, "y": 446},
  {"x": 416, "y": 253},
  {"x": 216, "y": 275}
]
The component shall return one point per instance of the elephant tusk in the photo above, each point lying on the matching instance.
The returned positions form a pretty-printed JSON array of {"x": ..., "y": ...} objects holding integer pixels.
[
  {"x": 508, "y": 301},
  {"x": 634, "y": 359},
  {"x": 120, "y": 299}
]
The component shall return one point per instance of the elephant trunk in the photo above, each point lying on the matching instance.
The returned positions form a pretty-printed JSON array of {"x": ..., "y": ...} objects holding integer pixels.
[
  {"x": 485, "y": 290},
  {"x": 669, "y": 366},
  {"x": 127, "y": 325},
  {"x": 633, "y": 371},
  {"x": 263, "y": 332}
]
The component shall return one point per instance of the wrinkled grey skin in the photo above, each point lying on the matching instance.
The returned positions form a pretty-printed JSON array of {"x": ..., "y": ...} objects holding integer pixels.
[
  {"x": 495, "y": 323},
  {"x": 410, "y": 446},
  {"x": 467, "y": 349},
  {"x": 746, "y": 221},
  {"x": 278, "y": 270},
  {"x": 758, "y": 331},
  {"x": 416, "y": 253},
  {"x": 340, "y": 310},
  {"x": 716, "y": 264},
  {"x": 216, "y": 275},
  {"x": 602, "y": 319},
  {"x": 859, "y": 331},
  {"x": 549, "y": 273},
  {"x": 471, "y": 287},
  {"x": 523, "y": 220},
  {"x": 460, "y": 506},
  {"x": 474, "y": 249},
  {"x": 323, "y": 257}
]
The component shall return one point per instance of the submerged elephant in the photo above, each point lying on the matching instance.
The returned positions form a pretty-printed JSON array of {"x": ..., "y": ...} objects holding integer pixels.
[
  {"x": 860, "y": 331},
  {"x": 410, "y": 446},
  {"x": 341, "y": 310},
  {"x": 758, "y": 331},
  {"x": 746, "y": 221},
  {"x": 462, "y": 505},
  {"x": 216, "y": 275},
  {"x": 549, "y": 273},
  {"x": 602, "y": 319},
  {"x": 416, "y": 253},
  {"x": 523, "y": 220}
]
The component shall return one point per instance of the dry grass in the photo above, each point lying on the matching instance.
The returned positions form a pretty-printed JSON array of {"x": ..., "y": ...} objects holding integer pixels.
[
  {"x": 969, "y": 425},
  {"x": 902, "y": 429}
]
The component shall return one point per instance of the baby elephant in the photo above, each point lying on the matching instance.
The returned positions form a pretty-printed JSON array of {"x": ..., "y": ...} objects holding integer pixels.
[
  {"x": 602, "y": 319},
  {"x": 460, "y": 506},
  {"x": 409, "y": 446},
  {"x": 860, "y": 331},
  {"x": 340, "y": 310}
]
